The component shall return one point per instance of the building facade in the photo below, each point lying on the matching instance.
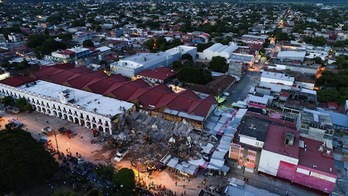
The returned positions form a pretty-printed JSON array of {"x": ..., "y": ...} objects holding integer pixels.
[{"x": 84, "y": 108}]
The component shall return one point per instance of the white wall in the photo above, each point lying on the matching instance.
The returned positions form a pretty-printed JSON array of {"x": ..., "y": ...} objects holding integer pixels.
[
  {"x": 276, "y": 80},
  {"x": 269, "y": 162},
  {"x": 250, "y": 141}
]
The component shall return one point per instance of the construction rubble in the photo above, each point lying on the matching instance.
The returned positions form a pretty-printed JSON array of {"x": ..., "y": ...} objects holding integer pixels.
[{"x": 150, "y": 138}]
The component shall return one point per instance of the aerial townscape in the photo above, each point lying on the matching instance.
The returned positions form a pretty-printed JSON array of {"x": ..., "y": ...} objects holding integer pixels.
[{"x": 159, "y": 97}]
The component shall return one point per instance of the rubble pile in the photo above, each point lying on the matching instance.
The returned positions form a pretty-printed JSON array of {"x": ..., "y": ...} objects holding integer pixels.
[{"x": 150, "y": 138}]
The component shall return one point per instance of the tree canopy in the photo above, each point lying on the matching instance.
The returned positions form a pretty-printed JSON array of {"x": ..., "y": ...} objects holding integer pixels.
[
  {"x": 319, "y": 41},
  {"x": 161, "y": 44},
  {"x": 196, "y": 75},
  {"x": 201, "y": 47},
  {"x": 15, "y": 65},
  {"x": 23, "y": 161},
  {"x": 23, "y": 105},
  {"x": 88, "y": 43},
  {"x": 8, "y": 100},
  {"x": 187, "y": 57},
  {"x": 342, "y": 62},
  {"x": 125, "y": 179},
  {"x": 218, "y": 64},
  {"x": 44, "y": 44},
  {"x": 334, "y": 87}
]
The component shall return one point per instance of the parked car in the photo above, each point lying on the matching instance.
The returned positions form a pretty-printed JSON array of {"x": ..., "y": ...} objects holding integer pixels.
[
  {"x": 47, "y": 131},
  {"x": 120, "y": 154},
  {"x": 12, "y": 109}
]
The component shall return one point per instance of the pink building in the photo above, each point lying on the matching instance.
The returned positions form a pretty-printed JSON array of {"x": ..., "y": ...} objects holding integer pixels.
[{"x": 301, "y": 160}]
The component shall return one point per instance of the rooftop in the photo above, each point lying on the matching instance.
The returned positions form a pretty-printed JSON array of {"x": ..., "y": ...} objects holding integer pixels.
[
  {"x": 276, "y": 141},
  {"x": 139, "y": 59},
  {"x": 316, "y": 117},
  {"x": 161, "y": 73},
  {"x": 315, "y": 155},
  {"x": 254, "y": 127},
  {"x": 289, "y": 54},
  {"x": 88, "y": 101},
  {"x": 279, "y": 76}
]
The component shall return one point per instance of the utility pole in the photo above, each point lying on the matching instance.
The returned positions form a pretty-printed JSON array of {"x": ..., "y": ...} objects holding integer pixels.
[{"x": 55, "y": 137}]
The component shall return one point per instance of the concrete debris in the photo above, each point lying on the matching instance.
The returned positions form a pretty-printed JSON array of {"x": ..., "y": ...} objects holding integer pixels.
[{"x": 150, "y": 138}]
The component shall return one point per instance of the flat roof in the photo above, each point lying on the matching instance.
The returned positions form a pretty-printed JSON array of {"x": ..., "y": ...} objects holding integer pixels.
[
  {"x": 312, "y": 157},
  {"x": 258, "y": 99},
  {"x": 316, "y": 116},
  {"x": 254, "y": 127},
  {"x": 86, "y": 100},
  {"x": 279, "y": 76},
  {"x": 78, "y": 49},
  {"x": 141, "y": 58},
  {"x": 275, "y": 141},
  {"x": 285, "y": 54},
  {"x": 337, "y": 118}
]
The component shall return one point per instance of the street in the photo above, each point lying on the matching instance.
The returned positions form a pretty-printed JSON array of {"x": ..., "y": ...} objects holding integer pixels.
[{"x": 239, "y": 91}]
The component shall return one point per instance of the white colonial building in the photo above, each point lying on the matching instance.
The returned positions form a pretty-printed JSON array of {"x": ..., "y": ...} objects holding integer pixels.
[{"x": 87, "y": 109}]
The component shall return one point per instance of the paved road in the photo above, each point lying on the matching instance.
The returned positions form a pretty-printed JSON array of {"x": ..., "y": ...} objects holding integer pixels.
[{"x": 239, "y": 91}]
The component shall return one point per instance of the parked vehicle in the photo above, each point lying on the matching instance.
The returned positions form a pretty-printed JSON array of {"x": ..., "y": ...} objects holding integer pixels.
[
  {"x": 15, "y": 123},
  {"x": 43, "y": 139},
  {"x": 120, "y": 154},
  {"x": 12, "y": 109},
  {"x": 47, "y": 131},
  {"x": 62, "y": 130}
]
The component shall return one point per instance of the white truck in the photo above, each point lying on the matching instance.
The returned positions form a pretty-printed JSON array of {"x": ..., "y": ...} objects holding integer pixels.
[{"x": 120, "y": 154}]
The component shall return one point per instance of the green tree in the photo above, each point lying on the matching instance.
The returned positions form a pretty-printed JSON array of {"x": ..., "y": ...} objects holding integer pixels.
[
  {"x": 36, "y": 40},
  {"x": 24, "y": 162},
  {"x": 106, "y": 171},
  {"x": 327, "y": 95},
  {"x": 194, "y": 75},
  {"x": 342, "y": 62},
  {"x": 78, "y": 23},
  {"x": 54, "y": 19},
  {"x": 218, "y": 64},
  {"x": 318, "y": 60},
  {"x": 8, "y": 100},
  {"x": 326, "y": 78},
  {"x": 318, "y": 41},
  {"x": 149, "y": 44},
  {"x": 124, "y": 179},
  {"x": 201, "y": 47},
  {"x": 187, "y": 57},
  {"x": 282, "y": 36},
  {"x": 23, "y": 105},
  {"x": 88, "y": 43},
  {"x": 177, "y": 65}
]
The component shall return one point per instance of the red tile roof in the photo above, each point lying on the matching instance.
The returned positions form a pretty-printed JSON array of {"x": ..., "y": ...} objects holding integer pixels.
[
  {"x": 17, "y": 80},
  {"x": 81, "y": 81},
  {"x": 313, "y": 158},
  {"x": 119, "y": 87},
  {"x": 161, "y": 73},
  {"x": 66, "y": 52},
  {"x": 61, "y": 77},
  {"x": 275, "y": 141},
  {"x": 99, "y": 87},
  {"x": 44, "y": 72},
  {"x": 123, "y": 92}
]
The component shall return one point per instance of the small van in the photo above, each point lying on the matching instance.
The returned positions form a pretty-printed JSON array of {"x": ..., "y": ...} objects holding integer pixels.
[{"x": 120, "y": 154}]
